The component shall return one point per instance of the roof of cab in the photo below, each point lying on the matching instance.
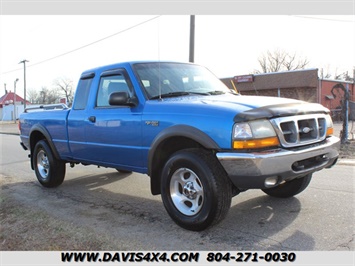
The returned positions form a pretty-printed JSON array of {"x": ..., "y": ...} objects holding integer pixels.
[{"x": 122, "y": 64}]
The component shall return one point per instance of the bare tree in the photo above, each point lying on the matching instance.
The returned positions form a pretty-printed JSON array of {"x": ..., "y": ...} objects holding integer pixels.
[
  {"x": 345, "y": 76},
  {"x": 48, "y": 96},
  {"x": 324, "y": 73},
  {"x": 32, "y": 96},
  {"x": 65, "y": 85},
  {"x": 62, "y": 88},
  {"x": 280, "y": 60}
]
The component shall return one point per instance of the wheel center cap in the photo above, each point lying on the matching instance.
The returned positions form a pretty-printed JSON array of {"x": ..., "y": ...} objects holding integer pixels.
[
  {"x": 189, "y": 190},
  {"x": 45, "y": 163}
]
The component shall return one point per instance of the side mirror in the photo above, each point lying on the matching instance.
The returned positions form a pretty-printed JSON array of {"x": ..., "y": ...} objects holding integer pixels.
[{"x": 122, "y": 98}]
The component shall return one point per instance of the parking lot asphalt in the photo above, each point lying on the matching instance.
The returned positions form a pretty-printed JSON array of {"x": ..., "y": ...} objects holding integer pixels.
[{"x": 9, "y": 127}]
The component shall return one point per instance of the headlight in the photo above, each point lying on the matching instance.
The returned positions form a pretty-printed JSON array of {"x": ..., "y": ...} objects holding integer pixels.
[{"x": 254, "y": 134}]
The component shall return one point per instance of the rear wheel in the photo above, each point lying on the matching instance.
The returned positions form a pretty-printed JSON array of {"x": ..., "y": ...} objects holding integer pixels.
[
  {"x": 290, "y": 188},
  {"x": 50, "y": 171},
  {"x": 195, "y": 190}
]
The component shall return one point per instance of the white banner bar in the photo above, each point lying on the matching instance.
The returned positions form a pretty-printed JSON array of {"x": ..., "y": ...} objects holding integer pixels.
[{"x": 86, "y": 258}]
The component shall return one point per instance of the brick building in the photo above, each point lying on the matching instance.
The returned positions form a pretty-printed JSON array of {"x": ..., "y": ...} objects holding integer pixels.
[
  {"x": 327, "y": 98},
  {"x": 298, "y": 84}
]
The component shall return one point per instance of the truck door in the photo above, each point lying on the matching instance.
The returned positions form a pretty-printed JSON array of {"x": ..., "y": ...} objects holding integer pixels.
[
  {"x": 113, "y": 133},
  {"x": 102, "y": 134}
]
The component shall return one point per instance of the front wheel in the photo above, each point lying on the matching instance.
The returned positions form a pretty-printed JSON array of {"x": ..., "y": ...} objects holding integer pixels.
[
  {"x": 50, "y": 171},
  {"x": 195, "y": 190},
  {"x": 290, "y": 188}
]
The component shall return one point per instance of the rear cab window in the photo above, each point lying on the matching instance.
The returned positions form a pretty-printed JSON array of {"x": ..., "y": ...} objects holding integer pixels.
[{"x": 82, "y": 91}]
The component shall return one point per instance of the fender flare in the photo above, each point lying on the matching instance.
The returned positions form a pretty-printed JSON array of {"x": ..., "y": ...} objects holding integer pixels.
[
  {"x": 180, "y": 131},
  {"x": 40, "y": 128}
]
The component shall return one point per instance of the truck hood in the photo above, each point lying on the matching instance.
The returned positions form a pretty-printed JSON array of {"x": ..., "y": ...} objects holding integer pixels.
[{"x": 242, "y": 108}]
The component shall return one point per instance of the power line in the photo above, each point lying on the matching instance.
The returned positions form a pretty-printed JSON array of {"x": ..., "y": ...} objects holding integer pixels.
[
  {"x": 323, "y": 18},
  {"x": 89, "y": 44}
]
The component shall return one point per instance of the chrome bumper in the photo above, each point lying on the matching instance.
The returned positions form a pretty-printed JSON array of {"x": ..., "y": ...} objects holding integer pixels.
[{"x": 254, "y": 170}]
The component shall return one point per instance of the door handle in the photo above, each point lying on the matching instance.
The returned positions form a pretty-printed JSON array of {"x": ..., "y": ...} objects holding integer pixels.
[{"x": 92, "y": 119}]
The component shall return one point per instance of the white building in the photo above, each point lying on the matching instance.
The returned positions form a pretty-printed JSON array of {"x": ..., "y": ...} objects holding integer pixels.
[{"x": 8, "y": 112}]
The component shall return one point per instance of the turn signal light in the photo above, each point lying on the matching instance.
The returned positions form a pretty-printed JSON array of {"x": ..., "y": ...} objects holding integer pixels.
[
  {"x": 256, "y": 143},
  {"x": 330, "y": 131}
]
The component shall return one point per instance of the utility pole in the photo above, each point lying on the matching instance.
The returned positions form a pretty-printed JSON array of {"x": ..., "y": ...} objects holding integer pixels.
[
  {"x": 15, "y": 111},
  {"x": 192, "y": 39},
  {"x": 24, "y": 81}
]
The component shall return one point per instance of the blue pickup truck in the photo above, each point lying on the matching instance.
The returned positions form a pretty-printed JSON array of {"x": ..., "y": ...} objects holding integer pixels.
[{"x": 200, "y": 142}]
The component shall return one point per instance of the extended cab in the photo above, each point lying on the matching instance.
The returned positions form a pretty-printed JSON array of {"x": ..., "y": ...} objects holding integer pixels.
[{"x": 198, "y": 141}]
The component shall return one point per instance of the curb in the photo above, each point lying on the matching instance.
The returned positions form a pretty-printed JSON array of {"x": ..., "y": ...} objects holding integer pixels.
[
  {"x": 349, "y": 162},
  {"x": 10, "y": 133}
]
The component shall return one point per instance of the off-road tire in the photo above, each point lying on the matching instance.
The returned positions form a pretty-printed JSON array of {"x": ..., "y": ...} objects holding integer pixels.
[
  {"x": 50, "y": 171},
  {"x": 195, "y": 189}
]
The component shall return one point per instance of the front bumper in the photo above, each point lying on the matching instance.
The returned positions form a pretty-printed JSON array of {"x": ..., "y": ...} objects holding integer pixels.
[{"x": 256, "y": 170}]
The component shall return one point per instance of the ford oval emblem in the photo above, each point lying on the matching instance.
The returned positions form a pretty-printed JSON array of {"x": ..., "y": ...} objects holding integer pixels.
[{"x": 306, "y": 130}]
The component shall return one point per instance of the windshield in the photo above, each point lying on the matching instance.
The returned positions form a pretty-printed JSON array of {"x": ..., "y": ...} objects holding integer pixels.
[{"x": 177, "y": 79}]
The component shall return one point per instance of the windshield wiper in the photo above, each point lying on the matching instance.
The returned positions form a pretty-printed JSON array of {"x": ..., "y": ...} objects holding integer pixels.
[
  {"x": 177, "y": 94},
  {"x": 170, "y": 94},
  {"x": 216, "y": 92}
]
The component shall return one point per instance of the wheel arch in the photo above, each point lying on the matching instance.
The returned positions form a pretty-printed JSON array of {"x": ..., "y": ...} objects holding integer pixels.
[
  {"x": 37, "y": 133},
  {"x": 170, "y": 140}
]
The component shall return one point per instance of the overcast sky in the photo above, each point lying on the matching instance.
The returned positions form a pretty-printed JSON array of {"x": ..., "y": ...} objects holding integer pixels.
[{"x": 65, "y": 46}]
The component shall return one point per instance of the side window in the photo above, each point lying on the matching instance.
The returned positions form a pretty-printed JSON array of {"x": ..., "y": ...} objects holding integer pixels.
[
  {"x": 110, "y": 84},
  {"x": 82, "y": 94}
]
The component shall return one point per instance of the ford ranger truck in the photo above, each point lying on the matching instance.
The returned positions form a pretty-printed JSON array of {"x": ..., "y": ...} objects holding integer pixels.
[{"x": 200, "y": 142}]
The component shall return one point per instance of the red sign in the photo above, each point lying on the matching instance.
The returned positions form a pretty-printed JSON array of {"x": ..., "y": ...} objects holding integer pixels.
[{"x": 244, "y": 78}]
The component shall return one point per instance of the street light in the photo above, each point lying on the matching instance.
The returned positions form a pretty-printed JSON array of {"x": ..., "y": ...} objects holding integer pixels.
[
  {"x": 24, "y": 80},
  {"x": 15, "y": 99}
]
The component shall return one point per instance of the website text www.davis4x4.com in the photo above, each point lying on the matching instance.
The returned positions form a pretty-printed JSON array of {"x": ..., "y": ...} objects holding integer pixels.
[{"x": 167, "y": 257}]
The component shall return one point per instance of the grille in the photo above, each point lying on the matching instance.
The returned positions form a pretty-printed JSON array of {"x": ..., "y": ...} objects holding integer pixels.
[{"x": 300, "y": 130}]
